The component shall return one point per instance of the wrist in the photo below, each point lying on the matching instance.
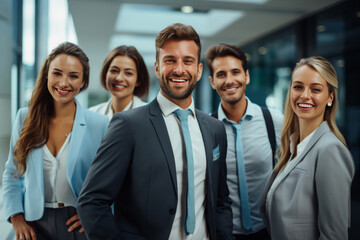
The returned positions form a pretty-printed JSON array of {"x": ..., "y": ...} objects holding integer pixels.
[{"x": 15, "y": 215}]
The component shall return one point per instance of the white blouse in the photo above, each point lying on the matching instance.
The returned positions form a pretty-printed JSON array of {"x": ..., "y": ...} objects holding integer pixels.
[
  {"x": 56, "y": 185},
  {"x": 106, "y": 109}
]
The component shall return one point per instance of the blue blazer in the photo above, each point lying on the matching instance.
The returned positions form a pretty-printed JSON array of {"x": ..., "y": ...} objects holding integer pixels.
[
  {"x": 26, "y": 194},
  {"x": 135, "y": 169}
]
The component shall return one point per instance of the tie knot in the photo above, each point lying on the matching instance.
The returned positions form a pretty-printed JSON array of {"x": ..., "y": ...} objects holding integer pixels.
[{"x": 182, "y": 114}]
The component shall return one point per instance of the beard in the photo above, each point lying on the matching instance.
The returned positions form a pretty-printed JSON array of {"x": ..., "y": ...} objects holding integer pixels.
[{"x": 165, "y": 87}]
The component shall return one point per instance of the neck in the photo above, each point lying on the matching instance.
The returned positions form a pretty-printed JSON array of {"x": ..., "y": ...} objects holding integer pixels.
[
  {"x": 119, "y": 104},
  {"x": 183, "y": 103},
  {"x": 67, "y": 110},
  {"x": 308, "y": 126},
  {"x": 235, "y": 111}
]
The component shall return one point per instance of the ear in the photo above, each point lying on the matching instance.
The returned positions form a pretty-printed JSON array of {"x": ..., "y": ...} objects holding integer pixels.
[
  {"x": 83, "y": 83},
  {"x": 157, "y": 69},
  {"x": 212, "y": 82},
  {"x": 247, "y": 77},
  {"x": 331, "y": 97},
  {"x": 200, "y": 69}
]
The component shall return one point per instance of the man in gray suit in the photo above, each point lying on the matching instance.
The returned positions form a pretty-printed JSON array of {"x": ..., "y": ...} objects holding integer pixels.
[
  {"x": 252, "y": 132},
  {"x": 147, "y": 167}
]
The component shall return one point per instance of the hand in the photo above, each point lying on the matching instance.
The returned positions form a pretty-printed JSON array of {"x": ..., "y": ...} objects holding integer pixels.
[
  {"x": 22, "y": 229},
  {"x": 76, "y": 223}
]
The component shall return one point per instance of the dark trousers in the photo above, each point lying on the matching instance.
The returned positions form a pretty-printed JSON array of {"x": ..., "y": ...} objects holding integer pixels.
[
  {"x": 260, "y": 235},
  {"x": 52, "y": 225}
]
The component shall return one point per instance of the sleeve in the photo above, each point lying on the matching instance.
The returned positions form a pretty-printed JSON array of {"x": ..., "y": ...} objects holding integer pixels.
[
  {"x": 13, "y": 186},
  {"x": 104, "y": 180},
  {"x": 333, "y": 176},
  {"x": 224, "y": 219}
]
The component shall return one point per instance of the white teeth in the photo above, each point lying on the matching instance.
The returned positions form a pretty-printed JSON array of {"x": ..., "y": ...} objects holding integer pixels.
[
  {"x": 119, "y": 86},
  {"x": 63, "y": 91},
  {"x": 178, "y": 80},
  {"x": 229, "y": 89},
  {"x": 305, "y": 105}
]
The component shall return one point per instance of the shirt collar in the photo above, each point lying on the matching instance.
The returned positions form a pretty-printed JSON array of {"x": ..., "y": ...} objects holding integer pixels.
[
  {"x": 302, "y": 145},
  {"x": 168, "y": 107},
  {"x": 249, "y": 113}
]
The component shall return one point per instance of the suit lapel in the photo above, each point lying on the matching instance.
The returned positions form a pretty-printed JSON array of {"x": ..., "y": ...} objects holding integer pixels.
[
  {"x": 158, "y": 122},
  {"x": 204, "y": 128},
  {"x": 77, "y": 135},
  {"x": 319, "y": 132},
  {"x": 37, "y": 159}
]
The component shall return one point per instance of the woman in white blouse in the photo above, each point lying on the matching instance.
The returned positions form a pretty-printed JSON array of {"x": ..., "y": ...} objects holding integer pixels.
[
  {"x": 308, "y": 193},
  {"x": 53, "y": 143},
  {"x": 125, "y": 76}
]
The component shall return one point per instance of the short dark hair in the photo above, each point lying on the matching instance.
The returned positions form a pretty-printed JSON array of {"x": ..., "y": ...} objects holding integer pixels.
[
  {"x": 223, "y": 50},
  {"x": 142, "y": 73},
  {"x": 177, "y": 31}
]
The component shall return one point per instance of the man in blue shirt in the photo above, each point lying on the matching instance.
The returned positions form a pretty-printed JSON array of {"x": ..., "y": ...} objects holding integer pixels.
[{"x": 249, "y": 155}]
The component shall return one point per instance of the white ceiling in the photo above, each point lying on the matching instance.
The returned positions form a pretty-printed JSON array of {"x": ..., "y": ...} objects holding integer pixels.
[{"x": 102, "y": 25}]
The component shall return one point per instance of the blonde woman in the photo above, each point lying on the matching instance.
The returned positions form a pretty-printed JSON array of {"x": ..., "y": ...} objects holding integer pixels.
[
  {"x": 308, "y": 193},
  {"x": 53, "y": 143}
]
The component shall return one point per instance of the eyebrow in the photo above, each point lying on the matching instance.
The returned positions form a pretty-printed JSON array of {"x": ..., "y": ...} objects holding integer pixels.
[
  {"x": 114, "y": 66},
  {"x": 59, "y": 70},
  {"x": 296, "y": 81}
]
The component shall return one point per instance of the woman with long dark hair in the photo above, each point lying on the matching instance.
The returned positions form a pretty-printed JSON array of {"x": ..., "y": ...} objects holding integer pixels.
[{"x": 53, "y": 143}]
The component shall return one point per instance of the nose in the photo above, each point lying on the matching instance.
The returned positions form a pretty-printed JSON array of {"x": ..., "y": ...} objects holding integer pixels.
[
  {"x": 229, "y": 79},
  {"x": 179, "y": 68},
  {"x": 306, "y": 93},
  {"x": 120, "y": 76},
  {"x": 64, "y": 81}
]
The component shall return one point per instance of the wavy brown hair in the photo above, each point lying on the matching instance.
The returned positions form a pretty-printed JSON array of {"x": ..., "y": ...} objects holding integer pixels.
[
  {"x": 291, "y": 121},
  {"x": 177, "y": 31},
  {"x": 35, "y": 131}
]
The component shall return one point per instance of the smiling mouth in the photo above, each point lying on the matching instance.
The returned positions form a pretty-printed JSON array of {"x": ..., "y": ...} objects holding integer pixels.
[
  {"x": 178, "y": 80},
  {"x": 305, "y": 105},
  {"x": 230, "y": 89},
  {"x": 118, "y": 86},
  {"x": 62, "y": 91}
]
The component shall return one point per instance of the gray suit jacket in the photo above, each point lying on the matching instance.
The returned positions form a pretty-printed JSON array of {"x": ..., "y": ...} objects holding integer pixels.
[
  {"x": 135, "y": 169},
  {"x": 312, "y": 199}
]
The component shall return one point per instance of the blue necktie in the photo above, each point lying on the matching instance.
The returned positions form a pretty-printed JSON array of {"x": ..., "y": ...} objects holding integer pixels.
[
  {"x": 244, "y": 197},
  {"x": 190, "y": 198}
]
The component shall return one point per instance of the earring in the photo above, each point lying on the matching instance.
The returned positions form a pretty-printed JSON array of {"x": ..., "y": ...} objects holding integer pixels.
[{"x": 329, "y": 104}]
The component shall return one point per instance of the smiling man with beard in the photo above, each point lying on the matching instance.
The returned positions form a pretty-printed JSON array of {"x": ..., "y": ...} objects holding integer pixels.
[
  {"x": 253, "y": 133},
  {"x": 166, "y": 177}
]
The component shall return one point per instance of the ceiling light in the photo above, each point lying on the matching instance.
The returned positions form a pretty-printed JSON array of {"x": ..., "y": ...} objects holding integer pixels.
[
  {"x": 262, "y": 50},
  {"x": 187, "y": 9},
  {"x": 321, "y": 28}
]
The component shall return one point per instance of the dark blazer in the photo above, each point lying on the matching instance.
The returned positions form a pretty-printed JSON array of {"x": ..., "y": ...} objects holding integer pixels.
[
  {"x": 135, "y": 170},
  {"x": 312, "y": 199}
]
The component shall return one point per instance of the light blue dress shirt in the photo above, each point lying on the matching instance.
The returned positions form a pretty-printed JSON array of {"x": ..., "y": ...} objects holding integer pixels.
[{"x": 257, "y": 161}]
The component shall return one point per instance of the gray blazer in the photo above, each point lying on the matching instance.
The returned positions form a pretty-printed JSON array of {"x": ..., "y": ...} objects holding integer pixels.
[{"x": 312, "y": 200}]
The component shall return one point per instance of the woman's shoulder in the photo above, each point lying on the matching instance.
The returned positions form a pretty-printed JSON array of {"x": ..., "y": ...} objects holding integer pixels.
[
  {"x": 137, "y": 102},
  {"x": 92, "y": 116},
  {"x": 100, "y": 108}
]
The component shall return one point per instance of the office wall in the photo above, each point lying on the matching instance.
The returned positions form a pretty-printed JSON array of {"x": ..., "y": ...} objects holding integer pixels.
[{"x": 5, "y": 79}]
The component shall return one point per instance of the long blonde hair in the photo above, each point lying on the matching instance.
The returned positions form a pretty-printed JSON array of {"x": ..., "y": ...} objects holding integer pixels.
[
  {"x": 291, "y": 121},
  {"x": 35, "y": 131}
]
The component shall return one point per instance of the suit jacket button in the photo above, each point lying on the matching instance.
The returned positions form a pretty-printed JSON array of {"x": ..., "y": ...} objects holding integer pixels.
[{"x": 172, "y": 211}]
